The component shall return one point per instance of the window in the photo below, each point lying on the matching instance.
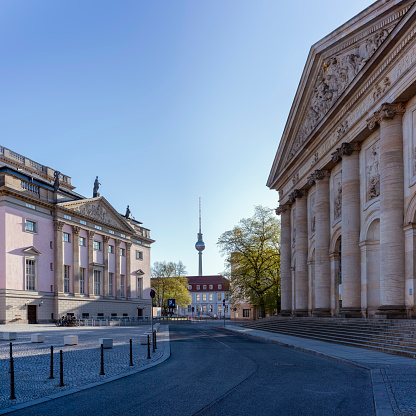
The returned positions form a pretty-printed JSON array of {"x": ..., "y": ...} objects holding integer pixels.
[
  {"x": 82, "y": 241},
  {"x": 198, "y": 287},
  {"x": 198, "y": 297},
  {"x": 189, "y": 287},
  {"x": 111, "y": 231},
  {"x": 189, "y": 308},
  {"x": 210, "y": 308},
  {"x": 51, "y": 266},
  {"x": 85, "y": 315},
  {"x": 100, "y": 314},
  {"x": 66, "y": 278},
  {"x": 211, "y": 287},
  {"x": 122, "y": 285},
  {"x": 113, "y": 314},
  {"x": 122, "y": 235},
  {"x": 30, "y": 206},
  {"x": 204, "y": 297},
  {"x": 211, "y": 296},
  {"x": 111, "y": 249},
  {"x": 110, "y": 284},
  {"x": 30, "y": 226},
  {"x": 204, "y": 308},
  {"x": 204, "y": 287},
  {"x": 97, "y": 282},
  {"x": 219, "y": 296},
  {"x": 219, "y": 286},
  {"x": 97, "y": 245},
  {"x": 50, "y": 244},
  {"x": 67, "y": 217},
  {"x": 97, "y": 227},
  {"x": 226, "y": 308},
  {"x": 139, "y": 287},
  {"x": 82, "y": 281},
  {"x": 219, "y": 309},
  {"x": 122, "y": 252},
  {"x": 83, "y": 223},
  {"x": 246, "y": 313},
  {"x": 139, "y": 255},
  {"x": 30, "y": 274},
  {"x": 67, "y": 238}
]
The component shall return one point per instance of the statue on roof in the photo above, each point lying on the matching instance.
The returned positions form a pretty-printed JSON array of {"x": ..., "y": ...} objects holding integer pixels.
[
  {"x": 56, "y": 174},
  {"x": 95, "y": 192},
  {"x": 128, "y": 212}
]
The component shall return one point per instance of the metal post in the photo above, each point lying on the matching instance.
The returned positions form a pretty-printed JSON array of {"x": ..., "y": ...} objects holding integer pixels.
[
  {"x": 155, "y": 341},
  {"x": 102, "y": 361},
  {"x": 11, "y": 371},
  {"x": 224, "y": 316},
  {"x": 61, "y": 369},
  {"x": 151, "y": 315},
  {"x": 51, "y": 365},
  {"x": 131, "y": 353},
  {"x": 148, "y": 347}
]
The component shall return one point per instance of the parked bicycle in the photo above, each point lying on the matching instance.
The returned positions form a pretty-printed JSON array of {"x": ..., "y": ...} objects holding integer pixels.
[{"x": 66, "y": 321}]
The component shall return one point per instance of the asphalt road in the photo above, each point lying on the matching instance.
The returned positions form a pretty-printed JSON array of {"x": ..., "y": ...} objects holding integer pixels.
[{"x": 211, "y": 372}]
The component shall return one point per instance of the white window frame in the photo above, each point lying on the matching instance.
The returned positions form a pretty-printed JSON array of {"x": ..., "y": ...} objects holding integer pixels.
[
  {"x": 204, "y": 297},
  {"x": 198, "y": 297},
  {"x": 35, "y": 226},
  {"x": 189, "y": 287},
  {"x": 211, "y": 297},
  {"x": 35, "y": 275},
  {"x": 219, "y": 297}
]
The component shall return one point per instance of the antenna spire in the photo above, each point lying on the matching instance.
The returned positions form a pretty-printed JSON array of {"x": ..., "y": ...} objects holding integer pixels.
[
  {"x": 200, "y": 245},
  {"x": 200, "y": 215}
]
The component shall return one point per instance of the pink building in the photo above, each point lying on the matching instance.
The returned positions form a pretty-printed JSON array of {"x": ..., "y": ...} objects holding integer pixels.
[{"x": 62, "y": 253}]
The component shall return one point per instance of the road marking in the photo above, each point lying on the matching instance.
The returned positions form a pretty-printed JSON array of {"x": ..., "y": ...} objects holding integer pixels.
[{"x": 214, "y": 339}]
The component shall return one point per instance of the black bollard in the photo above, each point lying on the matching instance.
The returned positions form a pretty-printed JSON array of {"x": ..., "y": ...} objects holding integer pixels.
[
  {"x": 148, "y": 347},
  {"x": 61, "y": 369},
  {"x": 11, "y": 371},
  {"x": 51, "y": 365},
  {"x": 155, "y": 340},
  {"x": 102, "y": 360},
  {"x": 131, "y": 353}
]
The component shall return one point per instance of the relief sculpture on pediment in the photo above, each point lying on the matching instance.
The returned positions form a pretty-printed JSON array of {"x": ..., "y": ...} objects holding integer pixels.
[
  {"x": 96, "y": 212},
  {"x": 336, "y": 74}
]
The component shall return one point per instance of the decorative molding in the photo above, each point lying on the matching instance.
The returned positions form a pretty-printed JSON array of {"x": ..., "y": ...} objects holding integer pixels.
[
  {"x": 91, "y": 234},
  {"x": 58, "y": 225},
  {"x": 106, "y": 238},
  {"x": 76, "y": 229},
  {"x": 32, "y": 250},
  {"x": 389, "y": 111},
  {"x": 319, "y": 175}
]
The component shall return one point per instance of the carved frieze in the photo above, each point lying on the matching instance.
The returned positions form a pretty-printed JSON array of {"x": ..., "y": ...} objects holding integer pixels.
[
  {"x": 295, "y": 179},
  {"x": 96, "y": 212},
  {"x": 372, "y": 172}
]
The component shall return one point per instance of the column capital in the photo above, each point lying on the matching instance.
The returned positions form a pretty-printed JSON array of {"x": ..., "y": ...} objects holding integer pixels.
[
  {"x": 385, "y": 112},
  {"x": 319, "y": 175},
  {"x": 91, "y": 234},
  {"x": 76, "y": 229},
  {"x": 117, "y": 242},
  {"x": 281, "y": 208},
  {"x": 346, "y": 149},
  {"x": 128, "y": 245},
  {"x": 58, "y": 225},
  {"x": 106, "y": 238},
  {"x": 297, "y": 193}
]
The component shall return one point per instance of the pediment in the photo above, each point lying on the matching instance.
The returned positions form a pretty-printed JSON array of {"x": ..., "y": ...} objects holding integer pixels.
[
  {"x": 334, "y": 64},
  {"x": 32, "y": 251},
  {"x": 99, "y": 210},
  {"x": 140, "y": 272}
]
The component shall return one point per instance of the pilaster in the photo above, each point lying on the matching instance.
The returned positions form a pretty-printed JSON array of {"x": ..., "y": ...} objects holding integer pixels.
[
  {"x": 118, "y": 269},
  {"x": 128, "y": 270},
  {"x": 90, "y": 264},
  {"x": 105, "y": 260},
  {"x": 75, "y": 258}
]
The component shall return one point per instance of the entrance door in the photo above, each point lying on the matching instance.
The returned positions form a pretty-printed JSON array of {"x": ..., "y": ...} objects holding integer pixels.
[
  {"x": 139, "y": 312},
  {"x": 340, "y": 276},
  {"x": 31, "y": 314}
]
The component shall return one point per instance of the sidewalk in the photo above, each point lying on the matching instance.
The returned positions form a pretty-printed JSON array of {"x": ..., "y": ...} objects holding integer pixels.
[
  {"x": 81, "y": 362},
  {"x": 393, "y": 377}
]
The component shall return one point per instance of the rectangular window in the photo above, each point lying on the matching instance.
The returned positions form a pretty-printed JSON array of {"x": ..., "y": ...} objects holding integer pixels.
[
  {"x": 211, "y": 296},
  {"x": 204, "y": 297},
  {"x": 50, "y": 244},
  {"x": 83, "y": 222},
  {"x": 66, "y": 278},
  {"x": 139, "y": 287},
  {"x": 51, "y": 266},
  {"x": 97, "y": 282},
  {"x": 30, "y": 226},
  {"x": 97, "y": 227},
  {"x": 204, "y": 308},
  {"x": 82, "y": 281},
  {"x": 219, "y": 309},
  {"x": 82, "y": 241},
  {"x": 198, "y": 287},
  {"x": 122, "y": 251},
  {"x": 219, "y": 296},
  {"x": 85, "y": 315},
  {"x": 210, "y": 308},
  {"x": 246, "y": 313},
  {"x": 67, "y": 238},
  {"x": 139, "y": 255},
  {"x": 113, "y": 314},
  {"x": 226, "y": 308},
  {"x": 189, "y": 287},
  {"x": 67, "y": 217},
  {"x": 110, "y": 284},
  {"x": 111, "y": 231},
  {"x": 198, "y": 297},
  {"x": 30, "y": 206},
  {"x": 122, "y": 285},
  {"x": 219, "y": 286},
  {"x": 122, "y": 235},
  {"x": 30, "y": 274},
  {"x": 111, "y": 249},
  {"x": 97, "y": 245},
  {"x": 204, "y": 287},
  {"x": 210, "y": 287}
]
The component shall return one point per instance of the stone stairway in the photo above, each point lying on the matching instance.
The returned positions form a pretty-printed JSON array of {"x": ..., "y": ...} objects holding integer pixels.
[{"x": 390, "y": 336}]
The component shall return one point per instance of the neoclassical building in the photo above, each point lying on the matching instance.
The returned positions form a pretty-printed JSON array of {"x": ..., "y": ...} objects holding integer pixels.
[
  {"x": 345, "y": 170},
  {"x": 62, "y": 253}
]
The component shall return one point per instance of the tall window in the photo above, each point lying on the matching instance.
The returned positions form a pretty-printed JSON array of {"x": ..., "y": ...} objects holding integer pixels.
[
  {"x": 30, "y": 274},
  {"x": 204, "y": 297},
  {"x": 97, "y": 245},
  {"x": 82, "y": 281},
  {"x": 122, "y": 285},
  {"x": 246, "y": 313},
  {"x": 122, "y": 252},
  {"x": 198, "y": 297},
  {"x": 219, "y": 296},
  {"x": 67, "y": 238},
  {"x": 97, "y": 282},
  {"x": 139, "y": 287},
  {"x": 110, "y": 284},
  {"x": 82, "y": 241},
  {"x": 66, "y": 278},
  {"x": 211, "y": 296},
  {"x": 111, "y": 249}
]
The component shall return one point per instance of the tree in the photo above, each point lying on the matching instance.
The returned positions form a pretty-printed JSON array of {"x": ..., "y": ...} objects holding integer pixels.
[
  {"x": 252, "y": 249},
  {"x": 169, "y": 282}
]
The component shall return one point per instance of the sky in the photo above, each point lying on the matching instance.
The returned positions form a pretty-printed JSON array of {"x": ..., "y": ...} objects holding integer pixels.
[{"x": 165, "y": 101}]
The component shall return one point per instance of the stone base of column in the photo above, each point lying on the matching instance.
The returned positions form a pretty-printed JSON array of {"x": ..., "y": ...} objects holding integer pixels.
[
  {"x": 286, "y": 312},
  {"x": 300, "y": 312},
  {"x": 321, "y": 312},
  {"x": 350, "y": 313},
  {"x": 392, "y": 312}
]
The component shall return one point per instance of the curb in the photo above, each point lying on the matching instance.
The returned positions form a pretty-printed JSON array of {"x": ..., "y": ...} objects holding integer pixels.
[
  {"x": 163, "y": 358},
  {"x": 382, "y": 405}
]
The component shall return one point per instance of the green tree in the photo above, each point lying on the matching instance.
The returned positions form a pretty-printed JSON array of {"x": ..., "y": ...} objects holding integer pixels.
[
  {"x": 169, "y": 282},
  {"x": 252, "y": 249}
]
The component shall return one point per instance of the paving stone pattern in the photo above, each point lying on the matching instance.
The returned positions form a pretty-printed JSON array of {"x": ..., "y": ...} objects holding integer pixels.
[{"x": 81, "y": 362}]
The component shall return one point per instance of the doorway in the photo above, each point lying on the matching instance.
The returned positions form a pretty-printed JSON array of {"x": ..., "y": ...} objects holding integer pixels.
[{"x": 32, "y": 314}]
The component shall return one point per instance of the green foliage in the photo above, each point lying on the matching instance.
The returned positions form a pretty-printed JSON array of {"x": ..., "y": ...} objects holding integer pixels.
[
  {"x": 169, "y": 282},
  {"x": 252, "y": 249}
]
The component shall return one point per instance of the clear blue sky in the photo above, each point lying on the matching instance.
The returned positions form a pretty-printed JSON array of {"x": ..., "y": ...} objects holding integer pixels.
[{"x": 165, "y": 100}]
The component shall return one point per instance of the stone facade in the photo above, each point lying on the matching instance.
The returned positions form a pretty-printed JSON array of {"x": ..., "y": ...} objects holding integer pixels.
[
  {"x": 345, "y": 170},
  {"x": 62, "y": 253}
]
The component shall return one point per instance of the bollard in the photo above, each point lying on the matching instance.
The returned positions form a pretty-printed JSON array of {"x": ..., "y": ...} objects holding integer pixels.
[
  {"x": 102, "y": 360},
  {"x": 61, "y": 369},
  {"x": 153, "y": 340},
  {"x": 148, "y": 347},
  {"x": 131, "y": 353},
  {"x": 51, "y": 365},
  {"x": 11, "y": 371}
]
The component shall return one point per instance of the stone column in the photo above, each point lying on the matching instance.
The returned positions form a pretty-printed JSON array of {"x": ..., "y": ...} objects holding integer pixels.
[
  {"x": 322, "y": 238},
  {"x": 350, "y": 249},
  {"x": 301, "y": 253},
  {"x": 58, "y": 264},
  {"x": 128, "y": 270},
  {"x": 392, "y": 248},
  {"x": 75, "y": 258},
  {"x": 90, "y": 264},
  {"x": 105, "y": 261},
  {"x": 285, "y": 260},
  {"x": 118, "y": 269}
]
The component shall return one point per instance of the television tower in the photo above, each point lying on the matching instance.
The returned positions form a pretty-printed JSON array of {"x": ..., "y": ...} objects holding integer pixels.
[{"x": 200, "y": 245}]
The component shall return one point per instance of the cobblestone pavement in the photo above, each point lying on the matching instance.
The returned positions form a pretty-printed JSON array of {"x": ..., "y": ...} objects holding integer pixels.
[{"x": 81, "y": 362}]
